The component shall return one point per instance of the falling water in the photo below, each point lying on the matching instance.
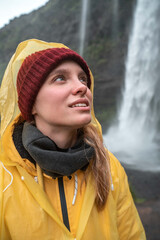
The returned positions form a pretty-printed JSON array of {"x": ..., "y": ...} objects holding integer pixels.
[
  {"x": 83, "y": 25},
  {"x": 135, "y": 139}
]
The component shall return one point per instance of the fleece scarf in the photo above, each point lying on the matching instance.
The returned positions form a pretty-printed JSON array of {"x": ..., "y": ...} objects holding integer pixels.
[{"x": 54, "y": 161}]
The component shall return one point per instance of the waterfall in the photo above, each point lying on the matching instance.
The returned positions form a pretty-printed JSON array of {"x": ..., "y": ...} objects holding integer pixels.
[
  {"x": 83, "y": 25},
  {"x": 135, "y": 138}
]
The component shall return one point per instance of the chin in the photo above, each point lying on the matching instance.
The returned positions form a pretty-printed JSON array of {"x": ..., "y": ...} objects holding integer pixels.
[{"x": 83, "y": 122}]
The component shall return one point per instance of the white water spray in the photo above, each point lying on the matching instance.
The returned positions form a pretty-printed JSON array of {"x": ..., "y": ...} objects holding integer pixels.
[
  {"x": 83, "y": 25},
  {"x": 135, "y": 138}
]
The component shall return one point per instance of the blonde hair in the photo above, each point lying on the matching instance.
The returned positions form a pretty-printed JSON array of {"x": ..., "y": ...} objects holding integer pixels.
[{"x": 99, "y": 166}]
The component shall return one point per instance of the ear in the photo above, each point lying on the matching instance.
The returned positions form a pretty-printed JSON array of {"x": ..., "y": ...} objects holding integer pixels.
[{"x": 34, "y": 110}]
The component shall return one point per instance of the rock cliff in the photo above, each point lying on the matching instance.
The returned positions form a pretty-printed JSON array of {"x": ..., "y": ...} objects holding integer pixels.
[{"x": 105, "y": 48}]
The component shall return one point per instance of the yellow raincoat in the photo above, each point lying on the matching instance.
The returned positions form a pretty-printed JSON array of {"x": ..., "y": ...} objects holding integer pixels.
[{"x": 28, "y": 212}]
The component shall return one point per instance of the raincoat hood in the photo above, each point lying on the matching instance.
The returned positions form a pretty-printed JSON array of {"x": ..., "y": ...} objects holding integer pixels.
[{"x": 8, "y": 94}]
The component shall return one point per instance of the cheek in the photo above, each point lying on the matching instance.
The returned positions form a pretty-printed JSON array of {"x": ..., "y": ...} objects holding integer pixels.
[
  {"x": 42, "y": 100},
  {"x": 89, "y": 95},
  {"x": 50, "y": 97}
]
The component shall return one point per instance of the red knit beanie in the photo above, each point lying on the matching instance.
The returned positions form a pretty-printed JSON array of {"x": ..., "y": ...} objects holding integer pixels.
[{"x": 34, "y": 71}]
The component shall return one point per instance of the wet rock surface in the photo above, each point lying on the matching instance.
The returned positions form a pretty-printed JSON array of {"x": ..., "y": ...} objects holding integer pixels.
[{"x": 146, "y": 189}]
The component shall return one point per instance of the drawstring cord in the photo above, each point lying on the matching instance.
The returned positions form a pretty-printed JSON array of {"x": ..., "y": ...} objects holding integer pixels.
[
  {"x": 10, "y": 175},
  {"x": 40, "y": 176},
  {"x": 112, "y": 186},
  {"x": 75, "y": 189},
  {"x": 41, "y": 182}
]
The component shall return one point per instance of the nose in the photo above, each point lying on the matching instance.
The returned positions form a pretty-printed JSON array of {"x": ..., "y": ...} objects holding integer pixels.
[{"x": 79, "y": 88}]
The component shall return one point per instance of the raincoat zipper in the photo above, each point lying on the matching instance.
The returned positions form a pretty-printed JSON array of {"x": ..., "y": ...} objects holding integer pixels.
[{"x": 63, "y": 203}]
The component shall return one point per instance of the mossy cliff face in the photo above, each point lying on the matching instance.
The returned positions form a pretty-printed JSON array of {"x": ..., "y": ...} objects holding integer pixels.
[{"x": 105, "y": 43}]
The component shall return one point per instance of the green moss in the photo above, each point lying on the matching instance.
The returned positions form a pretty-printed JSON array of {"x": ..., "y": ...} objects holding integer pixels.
[
  {"x": 106, "y": 117},
  {"x": 2, "y": 69},
  {"x": 135, "y": 198}
]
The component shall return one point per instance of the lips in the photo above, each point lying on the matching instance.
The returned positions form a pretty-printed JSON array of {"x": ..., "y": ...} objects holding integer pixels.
[{"x": 80, "y": 103}]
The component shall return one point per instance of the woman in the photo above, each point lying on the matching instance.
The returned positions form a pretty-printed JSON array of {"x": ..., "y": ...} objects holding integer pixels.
[{"x": 57, "y": 180}]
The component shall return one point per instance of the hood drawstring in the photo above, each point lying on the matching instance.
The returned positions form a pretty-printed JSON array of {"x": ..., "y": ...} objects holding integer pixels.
[
  {"x": 75, "y": 189},
  {"x": 112, "y": 185},
  {"x": 10, "y": 175},
  {"x": 41, "y": 182},
  {"x": 39, "y": 178}
]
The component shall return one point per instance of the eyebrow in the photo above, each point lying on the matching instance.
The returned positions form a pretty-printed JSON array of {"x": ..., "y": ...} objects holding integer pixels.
[
  {"x": 65, "y": 71},
  {"x": 59, "y": 71}
]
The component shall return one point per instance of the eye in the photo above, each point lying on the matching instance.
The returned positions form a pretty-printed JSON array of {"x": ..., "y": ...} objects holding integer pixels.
[
  {"x": 59, "y": 79},
  {"x": 83, "y": 79}
]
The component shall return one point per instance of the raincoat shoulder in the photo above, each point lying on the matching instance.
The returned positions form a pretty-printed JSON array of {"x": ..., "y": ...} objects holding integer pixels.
[{"x": 128, "y": 220}]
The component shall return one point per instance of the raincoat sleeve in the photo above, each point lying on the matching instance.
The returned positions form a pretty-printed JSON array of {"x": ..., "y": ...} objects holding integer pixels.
[
  {"x": 128, "y": 220},
  {"x": 4, "y": 234}
]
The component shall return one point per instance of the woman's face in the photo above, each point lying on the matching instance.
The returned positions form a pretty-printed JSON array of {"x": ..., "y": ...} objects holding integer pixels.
[{"x": 64, "y": 100}]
